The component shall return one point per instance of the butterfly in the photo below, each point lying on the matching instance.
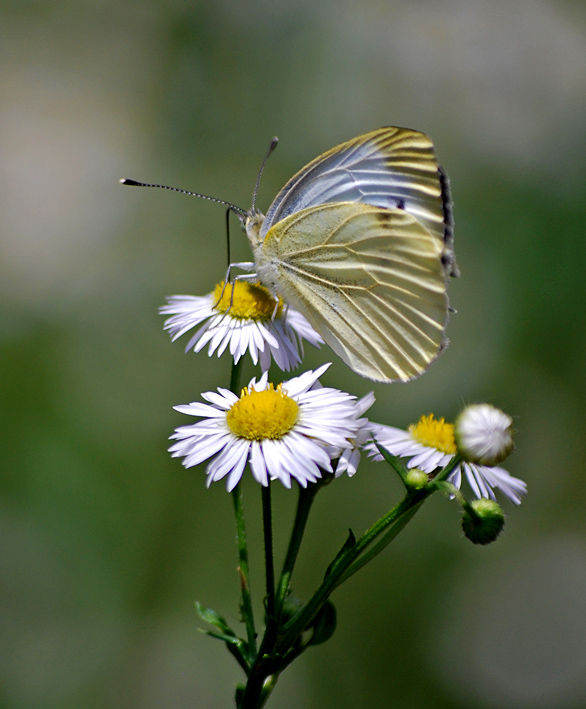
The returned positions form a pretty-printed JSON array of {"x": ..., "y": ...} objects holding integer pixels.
[{"x": 360, "y": 241}]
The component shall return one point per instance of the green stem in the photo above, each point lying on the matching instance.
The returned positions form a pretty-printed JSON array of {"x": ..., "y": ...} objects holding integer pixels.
[
  {"x": 305, "y": 615},
  {"x": 244, "y": 573},
  {"x": 267, "y": 517},
  {"x": 380, "y": 544},
  {"x": 304, "y": 503},
  {"x": 265, "y": 671},
  {"x": 448, "y": 470},
  {"x": 235, "y": 376},
  {"x": 343, "y": 567},
  {"x": 398, "y": 525}
]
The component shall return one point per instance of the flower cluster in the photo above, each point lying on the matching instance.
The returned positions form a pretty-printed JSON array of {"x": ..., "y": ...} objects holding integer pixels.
[
  {"x": 431, "y": 444},
  {"x": 299, "y": 430}
]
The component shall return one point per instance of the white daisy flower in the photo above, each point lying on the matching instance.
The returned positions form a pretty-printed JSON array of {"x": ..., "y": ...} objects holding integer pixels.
[
  {"x": 284, "y": 432},
  {"x": 430, "y": 444},
  {"x": 251, "y": 319},
  {"x": 484, "y": 434}
]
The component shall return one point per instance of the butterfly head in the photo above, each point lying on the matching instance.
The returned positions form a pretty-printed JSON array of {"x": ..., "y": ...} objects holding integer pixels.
[{"x": 252, "y": 223}]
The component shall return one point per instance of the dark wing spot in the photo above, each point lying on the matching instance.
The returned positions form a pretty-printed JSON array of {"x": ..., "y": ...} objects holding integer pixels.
[{"x": 384, "y": 216}]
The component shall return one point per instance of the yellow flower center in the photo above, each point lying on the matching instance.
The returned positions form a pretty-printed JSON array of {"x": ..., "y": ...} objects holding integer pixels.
[
  {"x": 251, "y": 301},
  {"x": 263, "y": 414},
  {"x": 434, "y": 433}
]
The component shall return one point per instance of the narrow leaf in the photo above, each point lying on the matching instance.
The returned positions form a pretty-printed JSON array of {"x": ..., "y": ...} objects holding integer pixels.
[
  {"x": 348, "y": 544},
  {"x": 393, "y": 461},
  {"x": 213, "y": 618}
]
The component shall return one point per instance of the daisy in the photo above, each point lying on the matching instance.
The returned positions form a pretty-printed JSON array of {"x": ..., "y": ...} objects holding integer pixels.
[
  {"x": 242, "y": 316},
  {"x": 284, "y": 432},
  {"x": 430, "y": 444}
]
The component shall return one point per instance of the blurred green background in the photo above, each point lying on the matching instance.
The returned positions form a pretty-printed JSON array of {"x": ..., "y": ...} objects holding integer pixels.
[{"x": 105, "y": 541}]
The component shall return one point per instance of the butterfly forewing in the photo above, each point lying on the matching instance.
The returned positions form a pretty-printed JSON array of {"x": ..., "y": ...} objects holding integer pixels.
[
  {"x": 389, "y": 167},
  {"x": 370, "y": 280}
]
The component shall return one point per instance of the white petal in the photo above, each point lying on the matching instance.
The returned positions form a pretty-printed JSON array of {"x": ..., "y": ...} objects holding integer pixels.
[
  {"x": 274, "y": 463},
  {"x": 303, "y": 383},
  {"x": 236, "y": 474},
  {"x": 198, "y": 409},
  {"x": 479, "y": 488},
  {"x": 233, "y": 456},
  {"x": 206, "y": 448},
  {"x": 219, "y": 399},
  {"x": 258, "y": 464}
]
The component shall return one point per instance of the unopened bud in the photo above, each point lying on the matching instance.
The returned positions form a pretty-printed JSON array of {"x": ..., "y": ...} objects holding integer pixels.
[
  {"x": 484, "y": 434},
  {"x": 483, "y": 521},
  {"x": 416, "y": 479}
]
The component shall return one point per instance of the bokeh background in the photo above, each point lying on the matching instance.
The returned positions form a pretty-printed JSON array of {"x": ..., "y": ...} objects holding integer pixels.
[{"x": 105, "y": 541}]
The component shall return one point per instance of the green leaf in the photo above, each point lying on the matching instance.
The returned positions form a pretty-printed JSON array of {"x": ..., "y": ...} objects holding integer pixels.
[
  {"x": 232, "y": 639},
  {"x": 348, "y": 544},
  {"x": 210, "y": 616},
  {"x": 393, "y": 461},
  {"x": 236, "y": 646},
  {"x": 324, "y": 624},
  {"x": 240, "y": 689}
]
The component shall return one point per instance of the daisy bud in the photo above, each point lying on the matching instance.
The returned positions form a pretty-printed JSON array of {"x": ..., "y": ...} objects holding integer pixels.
[
  {"x": 483, "y": 521},
  {"x": 484, "y": 434},
  {"x": 416, "y": 479}
]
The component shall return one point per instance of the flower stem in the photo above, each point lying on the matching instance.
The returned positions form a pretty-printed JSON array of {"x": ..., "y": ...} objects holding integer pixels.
[
  {"x": 376, "y": 549},
  {"x": 396, "y": 525},
  {"x": 295, "y": 626},
  {"x": 348, "y": 562},
  {"x": 304, "y": 503},
  {"x": 246, "y": 603},
  {"x": 268, "y": 540},
  {"x": 235, "y": 376},
  {"x": 265, "y": 671}
]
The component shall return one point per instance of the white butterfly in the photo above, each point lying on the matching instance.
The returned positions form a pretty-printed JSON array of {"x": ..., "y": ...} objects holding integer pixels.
[{"x": 360, "y": 241}]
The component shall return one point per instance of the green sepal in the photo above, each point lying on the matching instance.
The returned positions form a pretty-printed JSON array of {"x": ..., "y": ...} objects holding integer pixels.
[
  {"x": 324, "y": 624},
  {"x": 348, "y": 544}
]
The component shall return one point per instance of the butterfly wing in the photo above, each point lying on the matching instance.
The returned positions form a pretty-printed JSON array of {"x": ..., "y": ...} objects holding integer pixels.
[
  {"x": 394, "y": 168},
  {"x": 369, "y": 280}
]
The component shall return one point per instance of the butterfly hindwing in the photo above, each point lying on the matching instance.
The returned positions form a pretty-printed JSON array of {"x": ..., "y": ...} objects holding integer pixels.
[{"x": 370, "y": 280}]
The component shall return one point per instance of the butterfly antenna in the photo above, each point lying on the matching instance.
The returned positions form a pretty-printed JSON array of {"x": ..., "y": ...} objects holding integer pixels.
[
  {"x": 237, "y": 210},
  {"x": 272, "y": 146}
]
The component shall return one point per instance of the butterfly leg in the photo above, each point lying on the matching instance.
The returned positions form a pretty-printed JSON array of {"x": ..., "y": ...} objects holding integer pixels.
[
  {"x": 252, "y": 277},
  {"x": 285, "y": 311},
  {"x": 245, "y": 266}
]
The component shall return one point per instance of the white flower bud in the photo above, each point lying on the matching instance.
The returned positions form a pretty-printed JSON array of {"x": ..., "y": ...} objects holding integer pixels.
[{"x": 484, "y": 434}]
